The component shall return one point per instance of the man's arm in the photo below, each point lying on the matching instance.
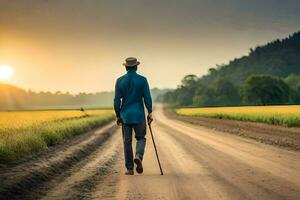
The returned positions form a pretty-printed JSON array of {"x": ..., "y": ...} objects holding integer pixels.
[
  {"x": 117, "y": 100},
  {"x": 147, "y": 97}
]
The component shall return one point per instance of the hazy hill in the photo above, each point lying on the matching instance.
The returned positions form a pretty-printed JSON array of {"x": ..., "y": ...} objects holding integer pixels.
[
  {"x": 276, "y": 65},
  {"x": 278, "y": 58},
  {"x": 14, "y": 98}
]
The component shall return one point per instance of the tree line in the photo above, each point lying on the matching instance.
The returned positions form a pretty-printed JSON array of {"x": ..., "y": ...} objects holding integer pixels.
[
  {"x": 14, "y": 98},
  {"x": 255, "y": 90},
  {"x": 268, "y": 75}
]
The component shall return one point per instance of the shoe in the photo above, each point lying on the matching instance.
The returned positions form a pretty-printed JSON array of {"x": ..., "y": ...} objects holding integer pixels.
[
  {"x": 129, "y": 172},
  {"x": 139, "y": 165}
]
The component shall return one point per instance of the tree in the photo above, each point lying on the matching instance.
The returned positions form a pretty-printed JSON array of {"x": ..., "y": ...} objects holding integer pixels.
[
  {"x": 204, "y": 96},
  {"x": 226, "y": 94},
  {"x": 221, "y": 93},
  {"x": 293, "y": 81},
  {"x": 186, "y": 91},
  {"x": 264, "y": 90},
  {"x": 189, "y": 80},
  {"x": 184, "y": 98}
]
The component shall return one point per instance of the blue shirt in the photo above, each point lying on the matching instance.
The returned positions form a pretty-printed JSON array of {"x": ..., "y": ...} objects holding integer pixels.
[{"x": 131, "y": 93}]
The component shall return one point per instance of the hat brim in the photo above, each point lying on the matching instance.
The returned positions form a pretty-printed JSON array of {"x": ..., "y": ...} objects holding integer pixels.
[{"x": 132, "y": 65}]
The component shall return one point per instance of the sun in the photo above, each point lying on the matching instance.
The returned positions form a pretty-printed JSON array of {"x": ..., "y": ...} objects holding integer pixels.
[{"x": 6, "y": 72}]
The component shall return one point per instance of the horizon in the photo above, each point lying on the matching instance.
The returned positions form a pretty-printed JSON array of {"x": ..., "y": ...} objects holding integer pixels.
[
  {"x": 66, "y": 92},
  {"x": 74, "y": 46}
]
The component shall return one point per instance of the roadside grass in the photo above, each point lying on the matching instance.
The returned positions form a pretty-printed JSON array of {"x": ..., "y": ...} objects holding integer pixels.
[
  {"x": 25, "y": 133},
  {"x": 275, "y": 115}
]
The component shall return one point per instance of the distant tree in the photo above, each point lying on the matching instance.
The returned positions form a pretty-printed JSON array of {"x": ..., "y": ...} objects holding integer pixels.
[
  {"x": 169, "y": 97},
  {"x": 226, "y": 93},
  {"x": 14, "y": 98},
  {"x": 221, "y": 93},
  {"x": 212, "y": 71},
  {"x": 204, "y": 96},
  {"x": 185, "y": 92},
  {"x": 293, "y": 81},
  {"x": 264, "y": 90},
  {"x": 189, "y": 80},
  {"x": 182, "y": 96}
]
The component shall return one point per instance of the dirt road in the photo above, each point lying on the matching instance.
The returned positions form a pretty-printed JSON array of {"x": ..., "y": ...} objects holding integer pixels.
[{"x": 199, "y": 163}]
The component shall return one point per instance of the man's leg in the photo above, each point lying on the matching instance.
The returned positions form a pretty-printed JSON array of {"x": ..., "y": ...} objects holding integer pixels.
[
  {"x": 127, "y": 141},
  {"x": 140, "y": 133}
]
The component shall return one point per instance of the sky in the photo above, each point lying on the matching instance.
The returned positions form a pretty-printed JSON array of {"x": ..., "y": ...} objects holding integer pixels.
[{"x": 80, "y": 45}]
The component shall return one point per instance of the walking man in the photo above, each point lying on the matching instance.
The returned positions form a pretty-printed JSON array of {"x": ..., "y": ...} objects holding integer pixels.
[{"x": 131, "y": 93}]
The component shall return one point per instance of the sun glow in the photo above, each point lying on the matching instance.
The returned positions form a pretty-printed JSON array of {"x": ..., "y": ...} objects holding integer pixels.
[{"x": 6, "y": 72}]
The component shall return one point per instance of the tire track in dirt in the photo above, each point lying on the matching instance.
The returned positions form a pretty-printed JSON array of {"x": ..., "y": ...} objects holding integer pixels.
[
  {"x": 21, "y": 181},
  {"x": 85, "y": 175}
]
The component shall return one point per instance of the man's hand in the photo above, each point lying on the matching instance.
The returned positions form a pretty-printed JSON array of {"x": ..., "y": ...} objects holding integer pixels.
[
  {"x": 119, "y": 121},
  {"x": 149, "y": 118}
]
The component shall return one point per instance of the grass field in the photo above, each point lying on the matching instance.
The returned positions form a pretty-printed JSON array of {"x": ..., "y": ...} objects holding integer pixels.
[
  {"x": 24, "y": 133},
  {"x": 276, "y": 115}
]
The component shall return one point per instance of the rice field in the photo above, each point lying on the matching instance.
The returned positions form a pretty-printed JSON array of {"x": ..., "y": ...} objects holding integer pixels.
[
  {"x": 27, "y": 132},
  {"x": 276, "y": 115}
]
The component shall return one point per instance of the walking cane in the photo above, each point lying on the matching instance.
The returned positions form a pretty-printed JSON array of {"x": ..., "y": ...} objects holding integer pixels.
[{"x": 161, "y": 171}]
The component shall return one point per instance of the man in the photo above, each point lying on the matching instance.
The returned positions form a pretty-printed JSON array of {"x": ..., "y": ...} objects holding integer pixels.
[{"x": 131, "y": 93}]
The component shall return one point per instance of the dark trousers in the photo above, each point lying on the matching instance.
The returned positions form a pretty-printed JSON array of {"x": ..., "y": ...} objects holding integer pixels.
[{"x": 140, "y": 133}]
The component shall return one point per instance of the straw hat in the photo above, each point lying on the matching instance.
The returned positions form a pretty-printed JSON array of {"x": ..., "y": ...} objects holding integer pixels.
[{"x": 131, "y": 62}]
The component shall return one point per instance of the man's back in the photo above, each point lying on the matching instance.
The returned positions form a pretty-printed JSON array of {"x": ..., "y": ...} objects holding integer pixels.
[{"x": 131, "y": 90}]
